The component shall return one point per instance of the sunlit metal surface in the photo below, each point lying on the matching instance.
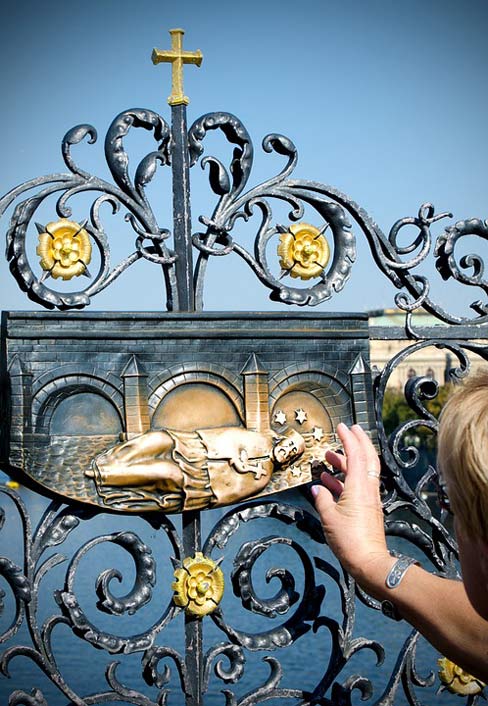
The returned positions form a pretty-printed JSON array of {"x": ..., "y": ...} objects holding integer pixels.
[{"x": 58, "y": 546}]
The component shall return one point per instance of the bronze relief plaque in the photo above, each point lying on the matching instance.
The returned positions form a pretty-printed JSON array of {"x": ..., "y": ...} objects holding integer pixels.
[{"x": 174, "y": 412}]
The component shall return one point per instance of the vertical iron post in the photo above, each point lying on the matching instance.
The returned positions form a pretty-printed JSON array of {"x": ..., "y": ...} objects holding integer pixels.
[
  {"x": 180, "y": 161},
  {"x": 193, "y": 623},
  {"x": 181, "y": 210},
  {"x": 185, "y": 292}
]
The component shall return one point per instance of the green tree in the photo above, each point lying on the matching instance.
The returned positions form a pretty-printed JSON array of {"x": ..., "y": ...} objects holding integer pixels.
[{"x": 396, "y": 411}]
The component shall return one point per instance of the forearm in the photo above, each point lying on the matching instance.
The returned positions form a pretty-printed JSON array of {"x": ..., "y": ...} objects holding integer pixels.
[
  {"x": 353, "y": 523},
  {"x": 438, "y": 608}
]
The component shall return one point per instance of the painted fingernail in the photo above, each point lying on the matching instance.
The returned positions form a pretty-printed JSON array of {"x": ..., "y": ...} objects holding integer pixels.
[{"x": 315, "y": 490}]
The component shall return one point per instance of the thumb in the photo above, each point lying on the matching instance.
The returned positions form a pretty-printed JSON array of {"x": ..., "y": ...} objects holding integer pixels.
[{"x": 324, "y": 501}]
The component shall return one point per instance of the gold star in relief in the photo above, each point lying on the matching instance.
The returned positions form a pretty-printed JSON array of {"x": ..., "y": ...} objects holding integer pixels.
[
  {"x": 296, "y": 471},
  {"x": 280, "y": 417},
  {"x": 318, "y": 433},
  {"x": 300, "y": 415}
]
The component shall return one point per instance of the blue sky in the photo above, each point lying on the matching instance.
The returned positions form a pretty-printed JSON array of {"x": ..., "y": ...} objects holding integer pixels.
[{"x": 386, "y": 101}]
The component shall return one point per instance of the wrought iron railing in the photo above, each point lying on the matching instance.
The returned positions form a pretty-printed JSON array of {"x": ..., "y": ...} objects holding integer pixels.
[{"x": 313, "y": 596}]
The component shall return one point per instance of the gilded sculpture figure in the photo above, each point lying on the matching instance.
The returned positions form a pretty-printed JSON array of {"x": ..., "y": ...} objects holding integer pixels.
[{"x": 189, "y": 470}]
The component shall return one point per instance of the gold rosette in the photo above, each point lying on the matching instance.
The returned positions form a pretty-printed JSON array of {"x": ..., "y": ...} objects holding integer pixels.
[
  {"x": 64, "y": 248},
  {"x": 303, "y": 251},
  {"x": 198, "y": 585},
  {"x": 456, "y": 680}
]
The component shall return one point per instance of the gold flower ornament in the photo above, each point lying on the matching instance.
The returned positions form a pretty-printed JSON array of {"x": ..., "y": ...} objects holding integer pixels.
[
  {"x": 64, "y": 248},
  {"x": 198, "y": 585},
  {"x": 303, "y": 251},
  {"x": 456, "y": 680}
]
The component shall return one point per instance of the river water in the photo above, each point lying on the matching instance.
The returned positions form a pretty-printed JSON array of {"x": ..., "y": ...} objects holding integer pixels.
[{"x": 83, "y": 667}]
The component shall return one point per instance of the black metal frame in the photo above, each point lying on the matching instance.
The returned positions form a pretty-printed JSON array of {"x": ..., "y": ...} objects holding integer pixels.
[
  {"x": 425, "y": 526},
  {"x": 184, "y": 283}
]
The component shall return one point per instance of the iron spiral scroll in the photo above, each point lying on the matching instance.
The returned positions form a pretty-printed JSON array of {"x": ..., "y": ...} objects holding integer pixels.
[
  {"x": 300, "y": 607},
  {"x": 291, "y": 613},
  {"x": 332, "y": 208}
]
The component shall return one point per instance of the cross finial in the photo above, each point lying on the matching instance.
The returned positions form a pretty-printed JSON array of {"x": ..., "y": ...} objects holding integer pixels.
[{"x": 177, "y": 57}]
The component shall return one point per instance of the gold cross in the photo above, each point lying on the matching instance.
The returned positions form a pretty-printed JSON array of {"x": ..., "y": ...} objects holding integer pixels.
[{"x": 177, "y": 57}]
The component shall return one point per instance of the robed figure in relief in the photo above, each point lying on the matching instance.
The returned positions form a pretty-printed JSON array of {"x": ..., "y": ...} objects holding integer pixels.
[{"x": 188, "y": 470}]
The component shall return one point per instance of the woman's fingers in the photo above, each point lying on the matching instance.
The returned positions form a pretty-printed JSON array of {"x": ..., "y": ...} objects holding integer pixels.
[
  {"x": 354, "y": 453},
  {"x": 371, "y": 457},
  {"x": 371, "y": 465},
  {"x": 338, "y": 461},
  {"x": 350, "y": 511},
  {"x": 333, "y": 484},
  {"x": 362, "y": 462},
  {"x": 324, "y": 502}
]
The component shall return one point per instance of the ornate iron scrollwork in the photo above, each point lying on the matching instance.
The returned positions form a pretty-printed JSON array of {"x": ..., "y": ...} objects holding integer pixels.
[
  {"x": 331, "y": 207},
  {"x": 233, "y": 204},
  {"x": 55, "y": 528},
  {"x": 126, "y": 193},
  {"x": 298, "y": 608}
]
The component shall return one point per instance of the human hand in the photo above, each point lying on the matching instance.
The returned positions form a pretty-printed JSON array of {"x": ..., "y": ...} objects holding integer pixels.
[{"x": 353, "y": 525}]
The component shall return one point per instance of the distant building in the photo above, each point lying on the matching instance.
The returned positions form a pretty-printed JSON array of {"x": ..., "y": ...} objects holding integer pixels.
[{"x": 429, "y": 361}]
